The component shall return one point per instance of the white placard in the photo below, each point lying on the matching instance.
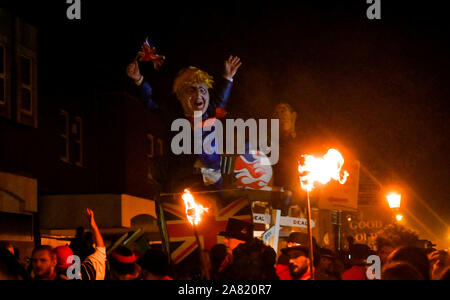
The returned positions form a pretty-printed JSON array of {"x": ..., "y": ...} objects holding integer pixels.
[
  {"x": 261, "y": 219},
  {"x": 268, "y": 234},
  {"x": 296, "y": 222}
]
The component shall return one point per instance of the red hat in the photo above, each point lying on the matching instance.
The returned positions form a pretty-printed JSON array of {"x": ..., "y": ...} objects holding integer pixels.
[{"x": 62, "y": 255}]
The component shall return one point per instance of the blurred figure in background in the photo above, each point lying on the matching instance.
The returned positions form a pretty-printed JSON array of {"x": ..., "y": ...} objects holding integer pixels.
[
  {"x": 10, "y": 268},
  {"x": 400, "y": 271},
  {"x": 123, "y": 266},
  {"x": 8, "y": 246},
  {"x": 439, "y": 262},
  {"x": 155, "y": 266},
  {"x": 416, "y": 257},
  {"x": 358, "y": 261}
]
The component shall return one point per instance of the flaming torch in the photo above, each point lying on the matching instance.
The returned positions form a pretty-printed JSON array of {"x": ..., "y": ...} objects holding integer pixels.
[
  {"x": 194, "y": 214},
  {"x": 314, "y": 170}
]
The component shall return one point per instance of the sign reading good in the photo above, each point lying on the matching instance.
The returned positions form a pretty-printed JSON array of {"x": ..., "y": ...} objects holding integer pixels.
[{"x": 365, "y": 227}]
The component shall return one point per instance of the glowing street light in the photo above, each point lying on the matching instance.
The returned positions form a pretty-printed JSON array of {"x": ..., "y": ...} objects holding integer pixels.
[{"x": 394, "y": 200}]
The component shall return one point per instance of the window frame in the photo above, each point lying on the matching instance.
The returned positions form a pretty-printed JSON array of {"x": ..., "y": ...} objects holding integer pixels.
[
  {"x": 28, "y": 87},
  {"x": 66, "y": 136},
  {"x": 79, "y": 121},
  {"x": 4, "y": 76},
  {"x": 151, "y": 146}
]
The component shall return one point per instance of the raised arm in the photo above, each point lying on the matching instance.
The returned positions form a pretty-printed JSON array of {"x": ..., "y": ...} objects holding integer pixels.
[
  {"x": 98, "y": 239},
  {"x": 222, "y": 89},
  {"x": 232, "y": 65},
  {"x": 146, "y": 90}
]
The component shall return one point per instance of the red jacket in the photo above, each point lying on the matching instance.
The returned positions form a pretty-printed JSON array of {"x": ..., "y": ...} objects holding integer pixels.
[{"x": 284, "y": 273}]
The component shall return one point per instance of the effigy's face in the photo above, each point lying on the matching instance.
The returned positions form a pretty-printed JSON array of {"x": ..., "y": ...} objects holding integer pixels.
[
  {"x": 194, "y": 98},
  {"x": 287, "y": 118}
]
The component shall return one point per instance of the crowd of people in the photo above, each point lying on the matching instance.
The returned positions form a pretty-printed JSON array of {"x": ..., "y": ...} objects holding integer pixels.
[{"x": 240, "y": 257}]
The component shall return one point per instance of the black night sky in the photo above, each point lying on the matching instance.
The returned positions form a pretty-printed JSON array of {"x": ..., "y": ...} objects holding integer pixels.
[{"x": 379, "y": 87}]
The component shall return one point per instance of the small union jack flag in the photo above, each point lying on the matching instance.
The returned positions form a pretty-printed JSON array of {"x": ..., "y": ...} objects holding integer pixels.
[{"x": 148, "y": 53}]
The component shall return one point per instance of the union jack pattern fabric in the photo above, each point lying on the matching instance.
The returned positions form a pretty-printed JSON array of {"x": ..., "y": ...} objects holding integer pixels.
[{"x": 181, "y": 234}]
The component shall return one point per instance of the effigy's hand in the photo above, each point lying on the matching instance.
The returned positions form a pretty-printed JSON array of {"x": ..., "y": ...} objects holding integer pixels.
[
  {"x": 231, "y": 66},
  {"x": 133, "y": 71}
]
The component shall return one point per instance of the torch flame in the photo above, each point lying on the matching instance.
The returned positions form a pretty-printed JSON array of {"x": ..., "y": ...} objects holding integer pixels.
[
  {"x": 322, "y": 170},
  {"x": 194, "y": 211}
]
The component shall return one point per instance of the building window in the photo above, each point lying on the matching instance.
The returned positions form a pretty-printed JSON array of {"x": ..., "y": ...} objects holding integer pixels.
[
  {"x": 26, "y": 86},
  {"x": 160, "y": 147},
  {"x": 2, "y": 75},
  {"x": 64, "y": 136},
  {"x": 77, "y": 139},
  {"x": 151, "y": 146}
]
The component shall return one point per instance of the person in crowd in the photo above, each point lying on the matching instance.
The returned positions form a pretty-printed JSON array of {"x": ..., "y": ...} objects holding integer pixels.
[
  {"x": 439, "y": 262},
  {"x": 8, "y": 246},
  {"x": 295, "y": 239},
  {"x": 10, "y": 268},
  {"x": 445, "y": 274},
  {"x": 358, "y": 262},
  {"x": 400, "y": 271},
  {"x": 44, "y": 261},
  {"x": 299, "y": 264},
  {"x": 94, "y": 266},
  {"x": 327, "y": 268},
  {"x": 384, "y": 250},
  {"x": 219, "y": 260},
  {"x": 123, "y": 266},
  {"x": 237, "y": 232},
  {"x": 251, "y": 261},
  {"x": 155, "y": 266},
  {"x": 82, "y": 244},
  {"x": 416, "y": 257}
]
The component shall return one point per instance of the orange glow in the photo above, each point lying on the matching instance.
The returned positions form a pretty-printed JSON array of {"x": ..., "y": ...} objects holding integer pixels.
[
  {"x": 194, "y": 211},
  {"x": 394, "y": 200},
  {"x": 322, "y": 170},
  {"x": 399, "y": 218}
]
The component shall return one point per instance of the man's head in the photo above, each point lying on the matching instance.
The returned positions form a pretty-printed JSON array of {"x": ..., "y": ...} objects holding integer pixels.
[
  {"x": 192, "y": 89},
  {"x": 384, "y": 251},
  {"x": 63, "y": 253},
  {"x": 43, "y": 262},
  {"x": 288, "y": 117},
  {"x": 8, "y": 246},
  {"x": 123, "y": 264},
  {"x": 237, "y": 232},
  {"x": 299, "y": 262},
  {"x": 359, "y": 254},
  {"x": 154, "y": 265}
]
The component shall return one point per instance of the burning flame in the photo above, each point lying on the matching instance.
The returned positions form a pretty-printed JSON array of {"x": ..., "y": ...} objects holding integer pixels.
[
  {"x": 321, "y": 170},
  {"x": 194, "y": 211}
]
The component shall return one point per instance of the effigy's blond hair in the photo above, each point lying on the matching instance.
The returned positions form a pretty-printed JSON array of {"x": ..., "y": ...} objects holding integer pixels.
[{"x": 189, "y": 76}]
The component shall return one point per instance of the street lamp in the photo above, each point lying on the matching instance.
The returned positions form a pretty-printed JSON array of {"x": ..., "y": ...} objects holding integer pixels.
[{"x": 394, "y": 200}]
